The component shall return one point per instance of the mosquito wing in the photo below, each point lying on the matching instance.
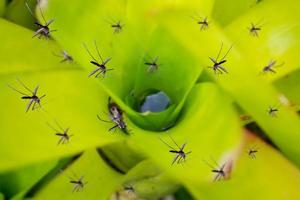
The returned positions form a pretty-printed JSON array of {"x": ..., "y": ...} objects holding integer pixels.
[
  {"x": 94, "y": 72},
  {"x": 175, "y": 158},
  {"x": 182, "y": 147},
  {"x": 106, "y": 61},
  {"x": 49, "y": 22},
  {"x": 29, "y": 104},
  {"x": 35, "y": 90}
]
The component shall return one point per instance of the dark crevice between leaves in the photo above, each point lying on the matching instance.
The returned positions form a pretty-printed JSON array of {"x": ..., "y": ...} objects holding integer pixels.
[
  {"x": 121, "y": 156},
  {"x": 109, "y": 162},
  {"x": 182, "y": 194},
  {"x": 61, "y": 166},
  {"x": 254, "y": 128}
]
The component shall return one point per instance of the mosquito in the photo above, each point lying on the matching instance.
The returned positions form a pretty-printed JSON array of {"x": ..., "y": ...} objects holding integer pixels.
[
  {"x": 272, "y": 111},
  {"x": 65, "y": 56},
  {"x": 218, "y": 65},
  {"x": 203, "y": 22},
  {"x": 254, "y": 29},
  {"x": 78, "y": 183},
  {"x": 152, "y": 65},
  {"x": 101, "y": 66},
  {"x": 117, "y": 26},
  {"x": 43, "y": 29},
  {"x": 62, "y": 133},
  {"x": 218, "y": 170},
  {"x": 116, "y": 117},
  {"x": 180, "y": 153},
  {"x": 270, "y": 67},
  {"x": 34, "y": 99},
  {"x": 251, "y": 152}
]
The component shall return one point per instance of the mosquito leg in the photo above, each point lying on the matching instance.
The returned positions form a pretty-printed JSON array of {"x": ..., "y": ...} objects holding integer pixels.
[
  {"x": 17, "y": 90},
  {"x": 219, "y": 51},
  {"x": 227, "y": 52},
  {"x": 112, "y": 128},
  {"x": 96, "y": 46},
  {"x": 103, "y": 120},
  {"x": 91, "y": 55},
  {"x": 174, "y": 141},
  {"x": 167, "y": 144}
]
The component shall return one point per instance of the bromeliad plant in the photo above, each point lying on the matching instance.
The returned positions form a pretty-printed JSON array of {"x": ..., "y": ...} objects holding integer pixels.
[{"x": 144, "y": 99}]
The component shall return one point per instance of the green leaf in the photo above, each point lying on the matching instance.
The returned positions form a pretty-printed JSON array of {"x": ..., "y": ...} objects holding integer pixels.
[
  {"x": 71, "y": 99},
  {"x": 22, "y": 53},
  {"x": 18, "y": 13},
  {"x": 209, "y": 127},
  {"x": 124, "y": 155},
  {"x": 242, "y": 83},
  {"x": 289, "y": 86},
  {"x": 149, "y": 182},
  {"x": 2, "y": 7},
  {"x": 101, "y": 180},
  {"x": 127, "y": 53},
  {"x": 224, "y": 12},
  {"x": 277, "y": 40},
  {"x": 270, "y": 176},
  {"x": 17, "y": 183}
]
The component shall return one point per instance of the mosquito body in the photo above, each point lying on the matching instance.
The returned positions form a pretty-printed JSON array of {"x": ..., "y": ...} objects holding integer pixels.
[
  {"x": 254, "y": 29},
  {"x": 218, "y": 64},
  {"x": 252, "y": 153},
  {"x": 43, "y": 29},
  {"x": 203, "y": 22},
  {"x": 78, "y": 184},
  {"x": 65, "y": 57},
  {"x": 118, "y": 27},
  {"x": 101, "y": 66},
  {"x": 152, "y": 65},
  {"x": 180, "y": 154},
  {"x": 218, "y": 170},
  {"x": 273, "y": 111},
  {"x": 33, "y": 98},
  {"x": 270, "y": 67},
  {"x": 116, "y": 117},
  {"x": 62, "y": 133}
]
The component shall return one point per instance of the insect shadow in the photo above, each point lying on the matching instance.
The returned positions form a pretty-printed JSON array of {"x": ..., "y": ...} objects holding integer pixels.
[
  {"x": 252, "y": 152},
  {"x": 180, "y": 154},
  {"x": 218, "y": 64},
  {"x": 33, "y": 98},
  {"x": 101, "y": 66},
  {"x": 117, "y": 26},
  {"x": 65, "y": 56},
  {"x": 201, "y": 21},
  {"x": 217, "y": 169},
  {"x": 116, "y": 117},
  {"x": 61, "y": 132},
  {"x": 152, "y": 64},
  {"x": 271, "y": 67},
  {"x": 43, "y": 29}
]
